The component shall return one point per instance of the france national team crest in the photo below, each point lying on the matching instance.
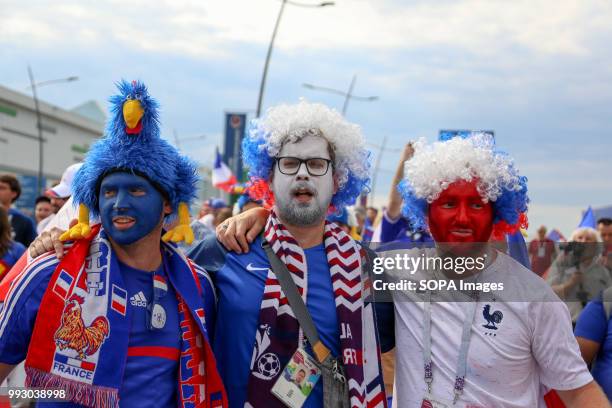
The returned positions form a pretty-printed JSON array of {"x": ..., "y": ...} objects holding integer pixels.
[
  {"x": 78, "y": 341},
  {"x": 492, "y": 318},
  {"x": 158, "y": 316}
]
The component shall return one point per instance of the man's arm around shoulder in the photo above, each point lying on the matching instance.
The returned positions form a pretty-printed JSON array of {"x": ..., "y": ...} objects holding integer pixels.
[{"x": 209, "y": 254}]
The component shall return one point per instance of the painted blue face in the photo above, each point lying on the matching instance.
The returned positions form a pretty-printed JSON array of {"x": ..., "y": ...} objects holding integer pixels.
[{"x": 130, "y": 207}]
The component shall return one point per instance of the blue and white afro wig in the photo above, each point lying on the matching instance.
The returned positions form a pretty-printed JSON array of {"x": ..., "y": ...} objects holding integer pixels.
[
  {"x": 289, "y": 123},
  {"x": 135, "y": 148},
  {"x": 434, "y": 167}
]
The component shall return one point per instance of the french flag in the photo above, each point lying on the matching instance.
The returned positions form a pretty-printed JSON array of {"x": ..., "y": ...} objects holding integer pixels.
[
  {"x": 75, "y": 362},
  {"x": 160, "y": 283},
  {"x": 119, "y": 300},
  {"x": 222, "y": 176},
  {"x": 200, "y": 314},
  {"x": 62, "y": 285}
]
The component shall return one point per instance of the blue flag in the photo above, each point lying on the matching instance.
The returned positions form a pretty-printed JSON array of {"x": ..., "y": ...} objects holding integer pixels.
[
  {"x": 517, "y": 248},
  {"x": 588, "y": 219}
]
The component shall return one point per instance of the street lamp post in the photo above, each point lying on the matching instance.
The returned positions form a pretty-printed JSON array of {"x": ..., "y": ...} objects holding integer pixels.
[
  {"x": 262, "y": 85},
  {"x": 381, "y": 149},
  {"x": 34, "y": 85},
  {"x": 347, "y": 95}
]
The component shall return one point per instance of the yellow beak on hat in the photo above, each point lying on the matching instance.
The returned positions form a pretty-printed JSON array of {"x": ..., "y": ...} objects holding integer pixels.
[{"x": 132, "y": 113}]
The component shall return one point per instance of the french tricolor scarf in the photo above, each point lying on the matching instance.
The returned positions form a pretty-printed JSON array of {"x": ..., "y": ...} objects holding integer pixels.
[
  {"x": 279, "y": 334},
  {"x": 80, "y": 338}
]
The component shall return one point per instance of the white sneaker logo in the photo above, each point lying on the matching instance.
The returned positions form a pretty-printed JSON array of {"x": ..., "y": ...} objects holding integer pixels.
[
  {"x": 139, "y": 299},
  {"x": 252, "y": 268}
]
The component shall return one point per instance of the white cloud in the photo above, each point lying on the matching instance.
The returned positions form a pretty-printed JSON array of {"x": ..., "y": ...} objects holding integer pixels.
[
  {"x": 565, "y": 218},
  {"x": 529, "y": 67},
  {"x": 204, "y": 29}
]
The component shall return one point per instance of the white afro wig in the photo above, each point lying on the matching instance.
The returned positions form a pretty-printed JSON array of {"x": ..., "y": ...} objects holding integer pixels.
[
  {"x": 434, "y": 167},
  {"x": 289, "y": 123}
]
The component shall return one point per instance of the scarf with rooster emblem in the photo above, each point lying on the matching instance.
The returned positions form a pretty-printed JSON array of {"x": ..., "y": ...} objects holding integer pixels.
[
  {"x": 80, "y": 339},
  {"x": 278, "y": 335}
]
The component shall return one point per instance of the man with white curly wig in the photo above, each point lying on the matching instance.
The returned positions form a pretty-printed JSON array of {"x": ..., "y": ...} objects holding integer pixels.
[
  {"x": 472, "y": 347},
  {"x": 476, "y": 347},
  {"x": 305, "y": 161}
]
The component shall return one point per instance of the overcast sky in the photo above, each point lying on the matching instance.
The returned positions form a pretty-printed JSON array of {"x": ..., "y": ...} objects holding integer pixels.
[{"x": 539, "y": 73}]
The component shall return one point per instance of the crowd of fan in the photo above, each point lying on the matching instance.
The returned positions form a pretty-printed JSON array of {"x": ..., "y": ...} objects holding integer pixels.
[{"x": 579, "y": 270}]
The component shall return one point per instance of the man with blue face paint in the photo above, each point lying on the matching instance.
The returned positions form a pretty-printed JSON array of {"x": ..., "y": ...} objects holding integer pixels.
[
  {"x": 130, "y": 207},
  {"x": 122, "y": 310}
]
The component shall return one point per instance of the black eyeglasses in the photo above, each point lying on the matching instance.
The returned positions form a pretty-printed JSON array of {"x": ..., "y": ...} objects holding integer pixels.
[{"x": 316, "y": 166}]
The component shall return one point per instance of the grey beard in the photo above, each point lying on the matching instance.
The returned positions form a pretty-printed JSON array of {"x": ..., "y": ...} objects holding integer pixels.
[{"x": 299, "y": 214}]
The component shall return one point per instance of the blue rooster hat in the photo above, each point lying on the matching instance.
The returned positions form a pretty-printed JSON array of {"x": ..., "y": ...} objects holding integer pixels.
[{"x": 132, "y": 144}]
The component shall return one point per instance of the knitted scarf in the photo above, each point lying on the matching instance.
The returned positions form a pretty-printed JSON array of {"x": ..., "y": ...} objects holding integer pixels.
[
  {"x": 279, "y": 334},
  {"x": 80, "y": 338}
]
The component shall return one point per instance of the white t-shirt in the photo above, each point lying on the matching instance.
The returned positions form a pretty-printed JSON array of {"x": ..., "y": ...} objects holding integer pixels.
[
  {"x": 532, "y": 344},
  {"x": 42, "y": 225}
]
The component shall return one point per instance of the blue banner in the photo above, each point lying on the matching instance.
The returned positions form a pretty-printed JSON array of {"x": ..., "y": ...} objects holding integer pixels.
[
  {"x": 447, "y": 134},
  {"x": 29, "y": 192},
  {"x": 235, "y": 127}
]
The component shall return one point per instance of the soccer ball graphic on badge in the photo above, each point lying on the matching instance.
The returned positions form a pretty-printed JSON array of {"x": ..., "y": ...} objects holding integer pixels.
[{"x": 268, "y": 366}]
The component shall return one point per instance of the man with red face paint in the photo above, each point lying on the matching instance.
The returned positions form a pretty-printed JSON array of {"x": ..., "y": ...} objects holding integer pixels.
[
  {"x": 460, "y": 216},
  {"x": 474, "y": 347}
]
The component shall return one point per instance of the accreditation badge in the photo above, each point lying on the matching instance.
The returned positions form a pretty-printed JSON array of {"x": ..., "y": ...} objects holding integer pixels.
[
  {"x": 431, "y": 401},
  {"x": 297, "y": 380}
]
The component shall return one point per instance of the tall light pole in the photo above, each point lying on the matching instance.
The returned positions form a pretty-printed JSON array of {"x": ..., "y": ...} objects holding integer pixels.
[
  {"x": 348, "y": 95},
  {"x": 33, "y": 85},
  {"x": 262, "y": 85},
  {"x": 381, "y": 149}
]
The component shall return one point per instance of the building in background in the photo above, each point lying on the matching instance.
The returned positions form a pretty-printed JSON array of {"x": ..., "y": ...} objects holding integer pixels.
[{"x": 67, "y": 136}]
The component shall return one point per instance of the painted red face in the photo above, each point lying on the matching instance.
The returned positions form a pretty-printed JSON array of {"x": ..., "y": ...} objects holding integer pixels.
[{"x": 459, "y": 215}]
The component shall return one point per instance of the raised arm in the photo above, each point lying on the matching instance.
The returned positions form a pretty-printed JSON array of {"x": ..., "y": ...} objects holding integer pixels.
[{"x": 394, "y": 205}]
